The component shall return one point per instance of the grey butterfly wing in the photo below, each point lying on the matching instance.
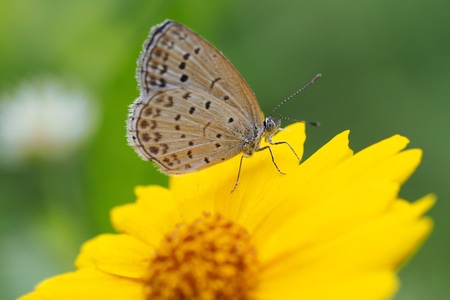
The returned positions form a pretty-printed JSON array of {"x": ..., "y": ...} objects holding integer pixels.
[
  {"x": 184, "y": 130},
  {"x": 175, "y": 56}
]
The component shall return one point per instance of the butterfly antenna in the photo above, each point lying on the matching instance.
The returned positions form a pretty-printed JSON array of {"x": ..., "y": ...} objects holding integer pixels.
[
  {"x": 296, "y": 93},
  {"x": 316, "y": 124}
]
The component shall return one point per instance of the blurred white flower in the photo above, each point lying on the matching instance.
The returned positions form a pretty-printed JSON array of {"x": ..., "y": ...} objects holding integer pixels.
[{"x": 44, "y": 118}]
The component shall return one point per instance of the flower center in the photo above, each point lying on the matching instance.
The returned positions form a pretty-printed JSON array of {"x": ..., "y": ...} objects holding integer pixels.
[{"x": 211, "y": 258}]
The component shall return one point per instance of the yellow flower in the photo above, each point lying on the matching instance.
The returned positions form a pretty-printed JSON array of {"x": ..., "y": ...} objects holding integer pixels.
[{"x": 332, "y": 228}]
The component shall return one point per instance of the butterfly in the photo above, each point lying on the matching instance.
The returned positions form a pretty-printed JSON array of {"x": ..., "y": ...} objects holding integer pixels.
[{"x": 194, "y": 110}]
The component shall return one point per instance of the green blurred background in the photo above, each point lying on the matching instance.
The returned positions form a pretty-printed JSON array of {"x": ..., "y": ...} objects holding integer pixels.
[{"x": 385, "y": 66}]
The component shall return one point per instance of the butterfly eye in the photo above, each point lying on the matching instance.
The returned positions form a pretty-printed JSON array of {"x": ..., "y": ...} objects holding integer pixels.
[{"x": 270, "y": 125}]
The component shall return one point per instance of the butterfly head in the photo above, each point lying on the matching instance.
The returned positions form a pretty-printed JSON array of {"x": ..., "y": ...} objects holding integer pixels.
[{"x": 271, "y": 126}]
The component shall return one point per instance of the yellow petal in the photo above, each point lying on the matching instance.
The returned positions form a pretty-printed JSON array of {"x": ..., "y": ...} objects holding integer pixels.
[
  {"x": 116, "y": 254},
  {"x": 354, "y": 170},
  {"x": 87, "y": 284},
  {"x": 396, "y": 168},
  {"x": 208, "y": 188},
  {"x": 324, "y": 220},
  {"x": 285, "y": 200},
  {"x": 154, "y": 214},
  {"x": 367, "y": 286},
  {"x": 381, "y": 243}
]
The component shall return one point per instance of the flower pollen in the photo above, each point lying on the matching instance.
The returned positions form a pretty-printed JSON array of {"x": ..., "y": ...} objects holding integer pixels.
[{"x": 211, "y": 258}]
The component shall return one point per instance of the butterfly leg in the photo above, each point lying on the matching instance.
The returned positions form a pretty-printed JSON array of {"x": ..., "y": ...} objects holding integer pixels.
[
  {"x": 293, "y": 151},
  {"x": 273, "y": 158},
  {"x": 238, "y": 175},
  {"x": 271, "y": 155}
]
